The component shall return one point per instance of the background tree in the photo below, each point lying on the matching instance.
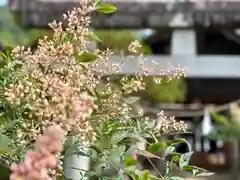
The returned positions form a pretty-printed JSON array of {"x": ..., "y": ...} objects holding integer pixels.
[{"x": 11, "y": 34}]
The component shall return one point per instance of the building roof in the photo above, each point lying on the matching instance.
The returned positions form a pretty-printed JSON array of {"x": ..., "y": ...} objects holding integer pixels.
[{"x": 136, "y": 13}]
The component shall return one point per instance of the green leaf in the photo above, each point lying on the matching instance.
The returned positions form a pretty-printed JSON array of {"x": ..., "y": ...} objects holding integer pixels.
[
  {"x": 220, "y": 118},
  {"x": 145, "y": 175},
  {"x": 169, "y": 150},
  {"x": 116, "y": 154},
  {"x": 198, "y": 171},
  {"x": 155, "y": 178},
  {"x": 205, "y": 174},
  {"x": 176, "y": 158},
  {"x": 90, "y": 174},
  {"x": 4, "y": 144},
  {"x": 3, "y": 119},
  {"x": 131, "y": 99},
  {"x": 87, "y": 57},
  {"x": 8, "y": 51},
  {"x": 106, "y": 8},
  {"x": 151, "y": 177},
  {"x": 120, "y": 150},
  {"x": 119, "y": 178},
  {"x": 136, "y": 177},
  {"x": 175, "y": 178},
  {"x": 97, "y": 1},
  {"x": 3, "y": 55},
  {"x": 93, "y": 36},
  {"x": 178, "y": 141},
  {"x": 184, "y": 159},
  {"x": 147, "y": 154},
  {"x": 129, "y": 161},
  {"x": 117, "y": 137},
  {"x": 175, "y": 142},
  {"x": 157, "y": 147},
  {"x": 168, "y": 169}
]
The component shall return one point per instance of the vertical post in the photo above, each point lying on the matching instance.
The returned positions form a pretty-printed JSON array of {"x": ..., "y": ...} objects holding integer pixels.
[
  {"x": 197, "y": 145},
  {"x": 75, "y": 166},
  {"x": 235, "y": 159},
  {"x": 183, "y": 42},
  {"x": 234, "y": 110}
]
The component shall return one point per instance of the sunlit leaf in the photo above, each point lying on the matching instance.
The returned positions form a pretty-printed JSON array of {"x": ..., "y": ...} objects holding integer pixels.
[
  {"x": 205, "y": 174},
  {"x": 157, "y": 147},
  {"x": 93, "y": 36},
  {"x": 106, "y": 8},
  {"x": 175, "y": 142},
  {"x": 86, "y": 57},
  {"x": 145, "y": 175},
  {"x": 2, "y": 55},
  {"x": 175, "y": 158},
  {"x": 184, "y": 159},
  {"x": 175, "y": 178},
  {"x": 136, "y": 177},
  {"x": 219, "y": 118},
  {"x": 151, "y": 177},
  {"x": 169, "y": 150},
  {"x": 197, "y": 171},
  {"x": 129, "y": 161},
  {"x": 8, "y": 51}
]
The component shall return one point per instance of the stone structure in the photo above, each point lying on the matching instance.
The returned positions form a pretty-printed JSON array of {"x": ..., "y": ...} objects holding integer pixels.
[{"x": 136, "y": 13}]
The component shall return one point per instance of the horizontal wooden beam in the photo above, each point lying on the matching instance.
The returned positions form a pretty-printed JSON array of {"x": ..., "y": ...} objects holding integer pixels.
[
  {"x": 135, "y": 13},
  {"x": 195, "y": 66}
]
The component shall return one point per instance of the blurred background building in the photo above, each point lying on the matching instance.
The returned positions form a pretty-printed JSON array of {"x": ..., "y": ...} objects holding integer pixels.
[{"x": 202, "y": 36}]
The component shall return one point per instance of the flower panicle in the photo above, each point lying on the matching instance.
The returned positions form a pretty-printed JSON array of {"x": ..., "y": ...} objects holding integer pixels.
[
  {"x": 169, "y": 124},
  {"x": 43, "y": 163}
]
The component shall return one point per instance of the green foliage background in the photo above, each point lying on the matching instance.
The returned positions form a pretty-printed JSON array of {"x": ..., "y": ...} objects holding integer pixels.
[{"x": 11, "y": 34}]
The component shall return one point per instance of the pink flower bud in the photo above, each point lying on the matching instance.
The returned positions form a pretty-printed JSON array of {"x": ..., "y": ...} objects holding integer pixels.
[
  {"x": 55, "y": 147},
  {"x": 134, "y": 156},
  {"x": 45, "y": 157},
  {"x": 14, "y": 167}
]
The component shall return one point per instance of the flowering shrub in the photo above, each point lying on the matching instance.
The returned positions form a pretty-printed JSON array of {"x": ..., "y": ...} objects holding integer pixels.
[{"x": 64, "y": 89}]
